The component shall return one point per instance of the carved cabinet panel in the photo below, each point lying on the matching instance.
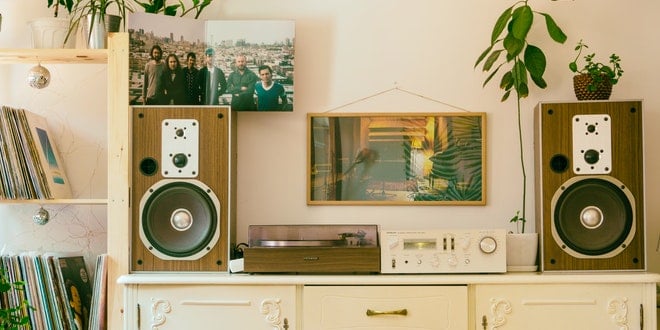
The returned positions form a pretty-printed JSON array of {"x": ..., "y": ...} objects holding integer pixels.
[
  {"x": 163, "y": 307},
  {"x": 559, "y": 306}
]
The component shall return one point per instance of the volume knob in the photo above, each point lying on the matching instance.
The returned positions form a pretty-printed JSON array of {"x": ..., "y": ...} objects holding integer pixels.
[{"x": 488, "y": 245}]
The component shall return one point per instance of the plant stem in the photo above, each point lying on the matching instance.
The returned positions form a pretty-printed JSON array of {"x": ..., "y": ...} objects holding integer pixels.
[{"x": 522, "y": 167}]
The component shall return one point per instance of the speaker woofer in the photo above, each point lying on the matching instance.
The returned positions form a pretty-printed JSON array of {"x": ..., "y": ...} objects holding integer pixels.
[
  {"x": 593, "y": 217},
  {"x": 179, "y": 219}
]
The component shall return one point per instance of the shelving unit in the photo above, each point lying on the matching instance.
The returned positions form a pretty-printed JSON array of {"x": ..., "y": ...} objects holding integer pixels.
[{"x": 116, "y": 58}]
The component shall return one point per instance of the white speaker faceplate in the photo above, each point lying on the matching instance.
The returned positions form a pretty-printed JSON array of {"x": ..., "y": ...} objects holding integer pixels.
[
  {"x": 592, "y": 144},
  {"x": 180, "y": 148}
]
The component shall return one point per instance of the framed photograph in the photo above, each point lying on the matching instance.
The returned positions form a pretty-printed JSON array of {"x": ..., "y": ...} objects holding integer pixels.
[
  {"x": 246, "y": 64},
  {"x": 397, "y": 158}
]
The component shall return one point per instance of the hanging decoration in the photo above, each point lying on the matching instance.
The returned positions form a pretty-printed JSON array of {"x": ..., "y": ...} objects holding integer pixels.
[{"x": 38, "y": 77}]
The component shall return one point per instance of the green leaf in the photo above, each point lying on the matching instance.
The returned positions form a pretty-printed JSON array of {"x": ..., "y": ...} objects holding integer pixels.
[
  {"x": 573, "y": 66},
  {"x": 512, "y": 45},
  {"x": 500, "y": 24},
  {"x": 507, "y": 81},
  {"x": 505, "y": 96},
  {"x": 521, "y": 22},
  {"x": 483, "y": 55},
  {"x": 554, "y": 30},
  {"x": 540, "y": 82},
  {"x": 492, "y": 59},
  {"x": 519, "y": 73},
  {"x": 490, "y": 76},
  {"x": 171, "y": 10},
  {"x": 535, "y": 61}
]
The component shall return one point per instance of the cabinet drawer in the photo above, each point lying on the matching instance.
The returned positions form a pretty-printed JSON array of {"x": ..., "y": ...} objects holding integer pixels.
[
  {"x": 214, "y": 307},
  {"x": 385, "y": 307},
  {"x": 559, "y": 306}
]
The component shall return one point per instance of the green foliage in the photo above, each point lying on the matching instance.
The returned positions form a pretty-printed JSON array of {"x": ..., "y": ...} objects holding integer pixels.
[
  {"x": 160, "y": 6},
  {"x": 518, "y": 220},
  {"x": 525, "y": 61},
  {"x": 596, "y": 70},
  {"x": 68, "y": 4},
  {"x": 13, "y": 318},
  {"x": 96, "y": 8},
  {"x": 520, "y": 61}
]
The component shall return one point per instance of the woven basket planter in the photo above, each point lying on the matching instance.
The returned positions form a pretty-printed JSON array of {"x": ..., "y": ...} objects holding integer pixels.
[{"x": 581, "y": 83}]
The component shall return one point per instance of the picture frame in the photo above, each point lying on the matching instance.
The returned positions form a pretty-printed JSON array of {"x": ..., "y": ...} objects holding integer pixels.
[{"x": 396, "y": 158}]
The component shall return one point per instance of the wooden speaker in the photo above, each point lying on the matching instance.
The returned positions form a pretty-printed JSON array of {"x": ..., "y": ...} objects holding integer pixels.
[
  {"x": 590, "y": 186},
  {"x": 181, "y": 201}
]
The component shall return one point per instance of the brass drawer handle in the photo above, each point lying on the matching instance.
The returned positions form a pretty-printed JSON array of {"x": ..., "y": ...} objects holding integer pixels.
[{"x": 371, "y": 312}]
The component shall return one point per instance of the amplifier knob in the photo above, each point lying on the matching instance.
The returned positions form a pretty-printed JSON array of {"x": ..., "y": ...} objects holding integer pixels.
[{"x": 488, "y": 245}]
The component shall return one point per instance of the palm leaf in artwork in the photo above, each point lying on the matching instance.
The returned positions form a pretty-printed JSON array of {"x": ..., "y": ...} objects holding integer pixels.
[{"x": 459, "y": 163}]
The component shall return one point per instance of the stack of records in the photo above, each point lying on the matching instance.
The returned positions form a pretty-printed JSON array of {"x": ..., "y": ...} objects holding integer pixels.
[{"x": 30, "y": 164}]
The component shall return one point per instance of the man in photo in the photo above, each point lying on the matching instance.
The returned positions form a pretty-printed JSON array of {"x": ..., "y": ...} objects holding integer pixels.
[
  {"x": 190, "y": 73},
  {"x": 211, "y": 80},
  {"x": 152, "y": 87},
  {"x": 241, "y": 85},
  {"x": 269, "y": 93}
]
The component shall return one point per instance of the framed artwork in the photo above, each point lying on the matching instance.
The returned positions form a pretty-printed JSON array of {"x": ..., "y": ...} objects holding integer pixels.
[{"x": 396, "y": 159}]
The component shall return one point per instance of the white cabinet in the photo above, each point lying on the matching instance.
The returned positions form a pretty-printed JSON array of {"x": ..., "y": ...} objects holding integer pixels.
[
  {"x": 385, "y": 307},
  {"x": 597, "y": 301},
  {"x": 211, "y": 307},
  {"x": 561, "y": 306}
]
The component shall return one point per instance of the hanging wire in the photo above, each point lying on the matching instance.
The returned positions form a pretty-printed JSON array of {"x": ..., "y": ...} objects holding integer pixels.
[{"x": 396, "y": 89}]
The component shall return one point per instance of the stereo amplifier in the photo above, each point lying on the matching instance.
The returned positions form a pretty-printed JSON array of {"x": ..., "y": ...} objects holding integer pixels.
[{"x": 443, "y": 251}]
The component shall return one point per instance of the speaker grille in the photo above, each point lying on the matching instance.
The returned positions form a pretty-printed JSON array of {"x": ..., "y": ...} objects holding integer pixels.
[
  {"x": 179, "y": 219},
  {"x": 593, "y": 217}
]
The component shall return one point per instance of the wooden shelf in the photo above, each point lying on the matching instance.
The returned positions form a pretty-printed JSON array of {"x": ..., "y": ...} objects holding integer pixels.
[
  {"x": 54, "y": 56},
  {"x": 88, "y": 201}
]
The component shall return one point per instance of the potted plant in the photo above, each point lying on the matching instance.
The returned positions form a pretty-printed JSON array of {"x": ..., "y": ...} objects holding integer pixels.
[
  {"x": 97, "y": 19},
  {"x": 50, "y": 32},
  {"x": 160, "y": 6},
  {"x": 511, "y": 52},
  {"x": 595, "y": 80},
  {"x": 12, "y": 317}
]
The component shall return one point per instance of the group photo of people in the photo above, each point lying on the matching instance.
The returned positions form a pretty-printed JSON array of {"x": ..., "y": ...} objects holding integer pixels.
[{"x": 245, "y": 64}]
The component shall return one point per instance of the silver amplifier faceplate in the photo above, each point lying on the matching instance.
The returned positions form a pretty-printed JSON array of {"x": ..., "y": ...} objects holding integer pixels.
[{"x": 443, "y": 251}]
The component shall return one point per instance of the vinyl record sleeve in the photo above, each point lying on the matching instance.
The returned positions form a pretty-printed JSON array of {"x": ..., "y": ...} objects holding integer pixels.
[{"x": 49, "y": 157}]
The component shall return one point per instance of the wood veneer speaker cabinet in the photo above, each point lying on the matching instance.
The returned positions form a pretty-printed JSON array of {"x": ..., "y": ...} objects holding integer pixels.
[
  {"x": 590, "y": 186},
  {"x": 182, "y": 175}
]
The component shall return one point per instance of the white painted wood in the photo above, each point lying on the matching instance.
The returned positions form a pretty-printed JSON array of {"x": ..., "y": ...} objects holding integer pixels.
[
  {"x": 560, "y": 306},
  {"x": 385, "y": 307},
  {"x": 210, "y": 307},
  {"x": 597, "y": 300}
]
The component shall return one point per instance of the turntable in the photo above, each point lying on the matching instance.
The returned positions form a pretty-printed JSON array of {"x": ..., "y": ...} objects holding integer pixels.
[{"x": 312, "y": 249}]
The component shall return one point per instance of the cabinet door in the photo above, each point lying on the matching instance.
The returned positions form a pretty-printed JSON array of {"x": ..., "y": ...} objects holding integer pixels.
[
  {"x": 558, "y": 306},
  {"x": 385, "y": 307},
  {"x": 178, "y": 307}
]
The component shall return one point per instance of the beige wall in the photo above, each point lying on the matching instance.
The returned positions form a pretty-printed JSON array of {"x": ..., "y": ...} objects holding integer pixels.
[{"x": 349, "y": 50}]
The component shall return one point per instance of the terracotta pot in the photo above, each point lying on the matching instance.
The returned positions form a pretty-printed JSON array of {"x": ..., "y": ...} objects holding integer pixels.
[{"x": 521, "y": 252}]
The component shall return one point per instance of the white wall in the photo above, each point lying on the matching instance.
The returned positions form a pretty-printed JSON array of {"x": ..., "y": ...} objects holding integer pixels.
[{"x": 348, "y": 50}]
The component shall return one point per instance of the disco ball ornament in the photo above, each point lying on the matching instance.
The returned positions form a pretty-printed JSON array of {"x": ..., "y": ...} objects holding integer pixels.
[{"x": 38, "y": 77}]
